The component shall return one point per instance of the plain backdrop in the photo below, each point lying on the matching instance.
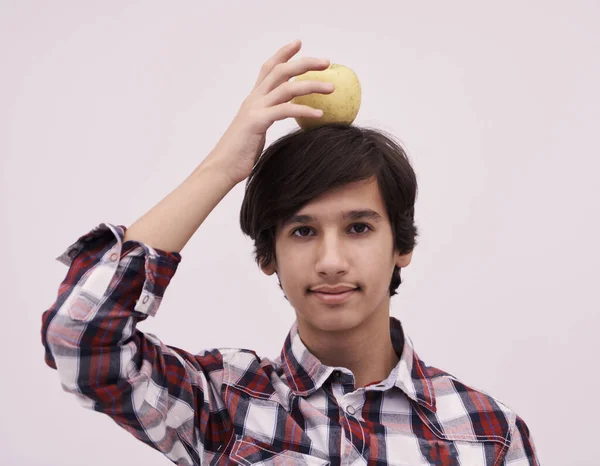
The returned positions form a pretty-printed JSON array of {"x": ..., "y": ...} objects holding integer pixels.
[{"x": 106, "y": 106}]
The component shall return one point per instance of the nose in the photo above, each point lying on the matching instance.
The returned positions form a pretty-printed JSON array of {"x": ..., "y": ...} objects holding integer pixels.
[{"x": 331, "y": 257}]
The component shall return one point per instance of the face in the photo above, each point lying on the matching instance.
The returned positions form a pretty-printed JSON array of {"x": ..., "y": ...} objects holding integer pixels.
[{"x": 321, "y": 247}]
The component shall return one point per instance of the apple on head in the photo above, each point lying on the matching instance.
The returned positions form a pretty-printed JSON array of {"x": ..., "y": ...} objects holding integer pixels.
[{"x": 341, "y": 106}]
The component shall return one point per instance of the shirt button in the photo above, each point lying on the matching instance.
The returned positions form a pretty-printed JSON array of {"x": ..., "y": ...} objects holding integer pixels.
[
  {"x": 114, "y": 256},
  {"x": 337, "y": 374},
  {"x": 350, "y": 410}
]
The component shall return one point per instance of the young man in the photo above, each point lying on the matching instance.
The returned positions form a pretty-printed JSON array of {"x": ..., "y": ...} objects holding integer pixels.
[{"x": 331, "y": 212}]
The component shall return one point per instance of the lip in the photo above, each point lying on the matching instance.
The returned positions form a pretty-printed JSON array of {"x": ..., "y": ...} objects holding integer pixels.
[{"x": 337, "y": 298}]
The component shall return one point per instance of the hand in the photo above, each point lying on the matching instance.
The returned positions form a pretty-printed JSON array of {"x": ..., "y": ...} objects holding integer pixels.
[{"x": 242, "y": 143}]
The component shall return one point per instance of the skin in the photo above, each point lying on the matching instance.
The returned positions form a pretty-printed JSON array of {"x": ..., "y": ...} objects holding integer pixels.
[{"x": 332, "y": 250}]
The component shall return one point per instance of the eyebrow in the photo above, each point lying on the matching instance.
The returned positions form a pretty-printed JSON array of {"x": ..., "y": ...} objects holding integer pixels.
[{"x": 367, "y": 214}]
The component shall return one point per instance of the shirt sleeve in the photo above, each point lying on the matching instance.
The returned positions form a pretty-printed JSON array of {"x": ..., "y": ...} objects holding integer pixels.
[
  {"x": 164, "y": 396},
  {"x": 521, "y": 451}
]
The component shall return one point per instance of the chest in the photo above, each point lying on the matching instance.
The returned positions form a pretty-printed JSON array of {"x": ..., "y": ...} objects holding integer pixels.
[{"x": 335, "y": 426}]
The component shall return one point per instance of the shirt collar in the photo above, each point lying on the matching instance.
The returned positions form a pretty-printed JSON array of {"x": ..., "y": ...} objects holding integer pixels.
[{"x": 306, "y": 374}]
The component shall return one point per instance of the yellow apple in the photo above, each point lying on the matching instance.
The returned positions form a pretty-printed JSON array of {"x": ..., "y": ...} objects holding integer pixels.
[{"x": 341, "y": 106}]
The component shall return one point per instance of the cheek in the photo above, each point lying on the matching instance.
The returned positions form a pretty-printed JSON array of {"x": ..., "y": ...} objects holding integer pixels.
[
  {"x": 375, "y": 265},
  {"x": 292, "y": 271},
  {"x": 375, "y": 256}
]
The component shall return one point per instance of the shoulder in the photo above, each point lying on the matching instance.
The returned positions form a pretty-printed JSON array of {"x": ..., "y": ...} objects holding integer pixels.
[
  {"x": 239, "y": 362},
  {"x": 481, "y": 416},
  {"x": 245, "y": 371}
]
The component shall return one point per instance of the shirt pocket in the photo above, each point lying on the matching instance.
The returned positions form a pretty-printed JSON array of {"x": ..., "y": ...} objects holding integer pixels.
[{"x": 248, "y": 451}]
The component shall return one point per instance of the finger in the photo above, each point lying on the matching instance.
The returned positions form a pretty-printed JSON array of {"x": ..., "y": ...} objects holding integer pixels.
[
  {"x": 285, "y": 71},
  {"x": 289, "y": 110},
  {"x": 287, "y": 91},
  {"x": 281, "y": 56}
]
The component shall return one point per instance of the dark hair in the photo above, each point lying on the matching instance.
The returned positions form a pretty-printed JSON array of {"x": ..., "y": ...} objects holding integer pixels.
[{"x": 304, "y": 164}]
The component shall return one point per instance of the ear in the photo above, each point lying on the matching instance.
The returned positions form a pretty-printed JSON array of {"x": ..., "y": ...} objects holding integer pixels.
[
  {"x": 404, "y": 260},
  {"x": 269, "y": 269}
]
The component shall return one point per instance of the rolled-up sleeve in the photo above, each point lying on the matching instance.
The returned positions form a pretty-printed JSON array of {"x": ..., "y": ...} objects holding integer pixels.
[{"x": 164, "y": 396}]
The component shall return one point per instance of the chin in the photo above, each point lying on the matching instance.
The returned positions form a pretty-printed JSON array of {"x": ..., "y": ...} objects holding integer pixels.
[{"x": 334, "y": 320}]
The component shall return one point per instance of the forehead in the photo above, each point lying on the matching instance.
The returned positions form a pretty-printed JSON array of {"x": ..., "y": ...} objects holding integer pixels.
[{"x": 356, "y": 200}]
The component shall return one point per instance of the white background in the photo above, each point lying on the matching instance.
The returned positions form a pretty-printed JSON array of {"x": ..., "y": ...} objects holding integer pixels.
[{"x": 106, "y": 106}]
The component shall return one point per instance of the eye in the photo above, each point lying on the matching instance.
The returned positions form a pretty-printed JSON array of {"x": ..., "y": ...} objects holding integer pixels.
[
  {"x": 367, "y": 228},
  {"x": 300, "y": 229}
]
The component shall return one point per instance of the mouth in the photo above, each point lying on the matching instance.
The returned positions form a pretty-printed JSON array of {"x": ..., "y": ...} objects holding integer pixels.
[{"x": 334, "y": 298}]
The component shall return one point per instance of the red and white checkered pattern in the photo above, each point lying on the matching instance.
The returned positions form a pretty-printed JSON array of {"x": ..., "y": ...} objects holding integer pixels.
[{"x": 230, "y": 406}]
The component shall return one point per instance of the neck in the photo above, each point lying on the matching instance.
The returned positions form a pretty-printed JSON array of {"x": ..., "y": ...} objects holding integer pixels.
[{"x": 366, "y": 350}]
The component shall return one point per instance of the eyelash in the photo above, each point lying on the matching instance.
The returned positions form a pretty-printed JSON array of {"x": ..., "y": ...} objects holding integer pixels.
[{"x": 369, "y": 228}]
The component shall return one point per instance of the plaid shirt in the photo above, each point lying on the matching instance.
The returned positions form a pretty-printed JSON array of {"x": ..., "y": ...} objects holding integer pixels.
[{"x": 229, "y": 406}]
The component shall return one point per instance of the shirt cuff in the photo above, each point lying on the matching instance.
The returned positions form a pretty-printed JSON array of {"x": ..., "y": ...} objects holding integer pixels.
[{"x": 105, "y": 247}]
